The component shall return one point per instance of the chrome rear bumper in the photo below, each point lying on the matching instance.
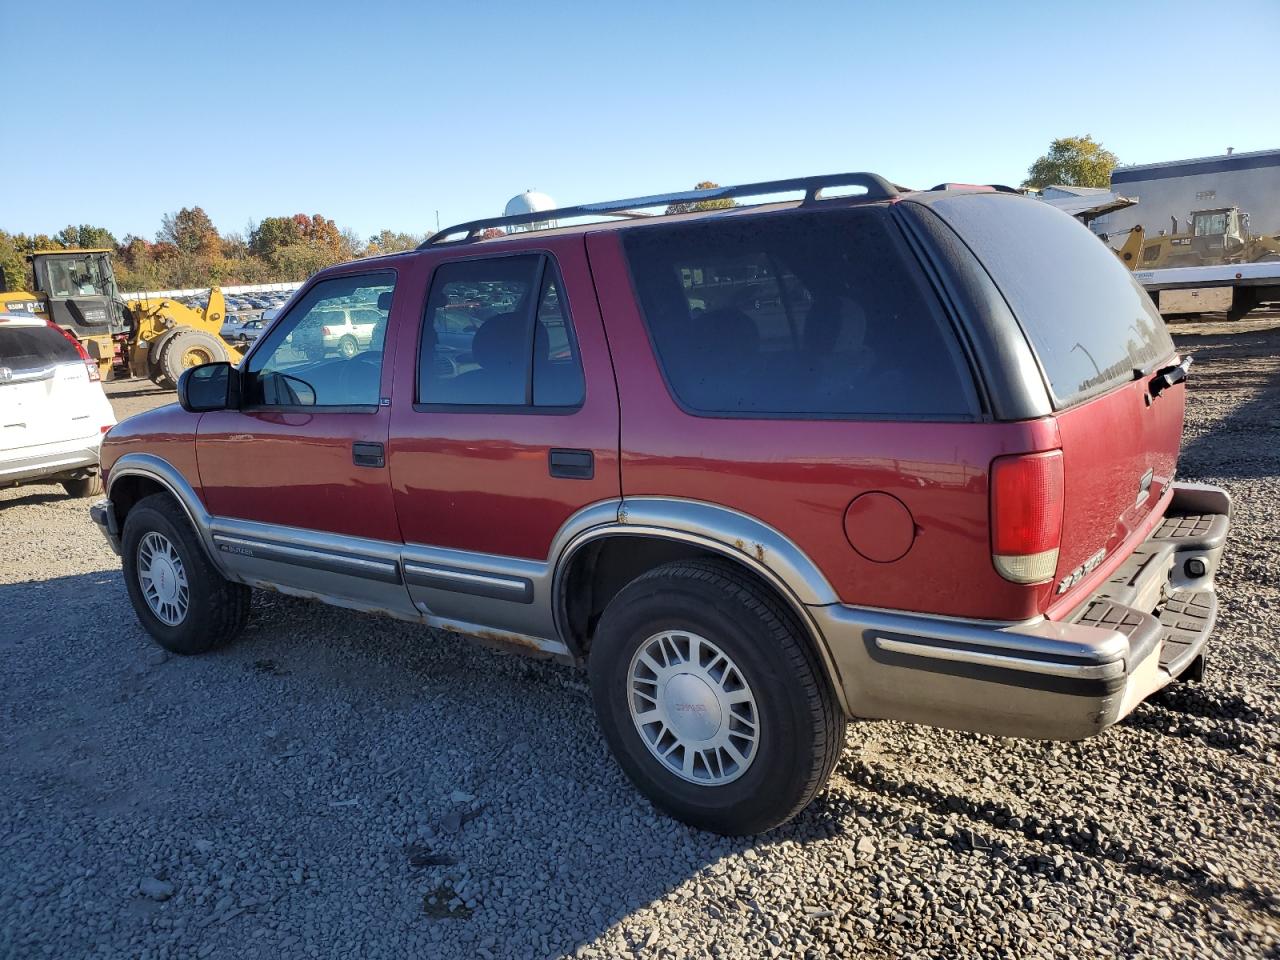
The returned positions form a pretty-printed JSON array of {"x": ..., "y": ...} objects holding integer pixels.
[{"x": 1053, "y": 679}]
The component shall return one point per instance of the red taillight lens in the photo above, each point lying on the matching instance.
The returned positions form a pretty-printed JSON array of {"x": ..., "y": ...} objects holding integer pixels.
[
  {"x": 1026, "y": 515},
  {"x": 84, "y": 354}
]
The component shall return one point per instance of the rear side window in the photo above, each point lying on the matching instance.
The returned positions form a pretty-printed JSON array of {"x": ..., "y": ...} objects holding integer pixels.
[
  {"x": 23, "y": 349},
  {"x": 1088, "y": 321},
  {"x": 497, "y": 333},
  {"x": 806, "y": 316}
]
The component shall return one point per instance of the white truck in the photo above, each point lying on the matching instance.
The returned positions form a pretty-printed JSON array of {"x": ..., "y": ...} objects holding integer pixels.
[{"x": 1230, "y": 288}]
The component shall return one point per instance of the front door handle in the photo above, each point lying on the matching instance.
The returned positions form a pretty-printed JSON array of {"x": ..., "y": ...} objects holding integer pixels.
[
  {"x": 572, "y": 464},
  {"x": 368, "y": 455}
]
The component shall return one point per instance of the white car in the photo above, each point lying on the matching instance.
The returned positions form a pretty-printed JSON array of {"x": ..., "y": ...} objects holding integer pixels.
[{"x": 53, "y": 411}]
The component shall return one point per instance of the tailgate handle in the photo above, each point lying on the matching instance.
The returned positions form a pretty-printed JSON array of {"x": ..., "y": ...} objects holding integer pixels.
[
  {"x": 368, "y": 455},
  {"x": 572, "y": 464},
  {"x": 1168, "y": 376}
]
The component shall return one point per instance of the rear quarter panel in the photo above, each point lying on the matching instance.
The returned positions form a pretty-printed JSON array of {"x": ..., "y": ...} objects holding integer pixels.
[{"x": 800, "y": 476}]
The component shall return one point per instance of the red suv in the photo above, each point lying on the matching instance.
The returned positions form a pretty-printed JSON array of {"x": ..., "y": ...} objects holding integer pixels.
[{"x": 895, "y": 454}]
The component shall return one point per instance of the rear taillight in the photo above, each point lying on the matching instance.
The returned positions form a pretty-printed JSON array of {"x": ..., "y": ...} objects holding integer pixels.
[
  {"x": 89, "y": 362},
  {"x": 1026, "y": 516}
]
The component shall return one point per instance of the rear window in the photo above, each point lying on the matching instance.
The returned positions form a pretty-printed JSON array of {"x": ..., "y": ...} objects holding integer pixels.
[
  {"x": 23, "y": 349},
  {"x": 1088, "y": 321},
  {"x": 813, "y": 315}
]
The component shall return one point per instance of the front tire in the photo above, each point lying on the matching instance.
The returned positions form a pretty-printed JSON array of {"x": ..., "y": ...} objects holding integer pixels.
[
  {"x": 712, "y": 699},
  {"x": 186, "y": 605}
]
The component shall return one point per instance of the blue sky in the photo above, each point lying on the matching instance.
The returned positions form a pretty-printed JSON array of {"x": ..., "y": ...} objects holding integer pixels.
[{"x": 380, "y": 114}]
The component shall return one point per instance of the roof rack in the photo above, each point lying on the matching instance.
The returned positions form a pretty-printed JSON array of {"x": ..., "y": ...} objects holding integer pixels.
[
  {"x": 996, "y": 187},
  {"x": 876, "y": 186}
]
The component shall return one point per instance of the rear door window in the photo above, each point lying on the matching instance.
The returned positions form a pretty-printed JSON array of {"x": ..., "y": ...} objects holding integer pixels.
[
  {"x": 24, "y": 349},
  {"x": 497, "y": 333},
  {"x": 1086, "y": 318},
  {"x": 801, "y": 315}
]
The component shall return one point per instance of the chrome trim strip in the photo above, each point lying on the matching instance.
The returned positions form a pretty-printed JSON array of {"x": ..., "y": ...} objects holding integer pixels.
[
  {"x": 383, "y": 571},
  {"x": 514, "y": 589},
  {"x": 925, "y": 648},
  {"x": 1037, "y": 639},
  {"x": 34, "y": 375}
]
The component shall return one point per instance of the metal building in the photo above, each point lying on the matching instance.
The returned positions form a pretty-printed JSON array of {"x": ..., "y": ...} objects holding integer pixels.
[{"x": 1249, "y": 181}]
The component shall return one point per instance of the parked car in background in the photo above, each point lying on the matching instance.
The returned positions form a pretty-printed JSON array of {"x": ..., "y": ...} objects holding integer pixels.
[
  {"x": 904, "y": 455},
  {"x": 348, "y": 331},
  {"x": 249, "y": 331},
  {"x": 53, "y": 411}
]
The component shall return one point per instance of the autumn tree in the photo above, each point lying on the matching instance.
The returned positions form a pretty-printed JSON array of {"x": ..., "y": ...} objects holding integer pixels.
[
  {"x": 272, "y": 233},
  {"x": 1072, "y": 162},
  {"x": 190, "y": 230},
  {"x": 700, "y": 205},
  {"x": 86, "y": 237},
  {"x": 388, "y": 241},
  {"x": 13, "y": 265}
]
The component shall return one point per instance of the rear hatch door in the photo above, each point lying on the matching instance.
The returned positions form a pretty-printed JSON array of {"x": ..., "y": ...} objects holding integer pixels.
[
  {"x": 1099, "y": 343},
  {"x": 41, "y": 381}
]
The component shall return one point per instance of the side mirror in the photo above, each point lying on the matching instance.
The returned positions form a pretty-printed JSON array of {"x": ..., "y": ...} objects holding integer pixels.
[{"x": 211, "y": 386}]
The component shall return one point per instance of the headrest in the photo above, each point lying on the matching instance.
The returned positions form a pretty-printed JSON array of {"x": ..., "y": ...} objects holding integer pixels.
[
  {"x": 834, "y": 325},
  {"x": 727, "y": 332},
  {"x": 500, "y": 341}
]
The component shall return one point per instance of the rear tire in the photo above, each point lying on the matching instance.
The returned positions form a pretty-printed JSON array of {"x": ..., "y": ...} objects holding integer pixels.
[
  {"x": 185, "y": 604},
  {"x": 348, "y": 346},
  {"x": 84, "y": 486},
  {"x": 752, "y": 670}
]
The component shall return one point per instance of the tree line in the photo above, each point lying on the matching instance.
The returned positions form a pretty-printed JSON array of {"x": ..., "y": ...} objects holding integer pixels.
[{"x": 189, "y": 251}]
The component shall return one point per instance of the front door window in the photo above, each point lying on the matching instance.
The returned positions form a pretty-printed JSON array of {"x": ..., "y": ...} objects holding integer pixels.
[{"x": 328, "y": 351}]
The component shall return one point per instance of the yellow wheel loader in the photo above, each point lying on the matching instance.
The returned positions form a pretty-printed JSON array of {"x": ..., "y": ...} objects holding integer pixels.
[
  {"x": 76, "y": 289},
  {"x": 1211, "y": 237}
]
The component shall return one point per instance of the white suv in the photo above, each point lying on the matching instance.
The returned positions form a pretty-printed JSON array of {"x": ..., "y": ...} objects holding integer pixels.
[{"x": 53, "y": 411}]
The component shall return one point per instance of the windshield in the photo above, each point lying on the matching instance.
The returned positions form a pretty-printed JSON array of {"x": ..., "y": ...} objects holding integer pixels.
[
  {"x": 83, "y": 276},
  {"x": 1211, "y": 224}
]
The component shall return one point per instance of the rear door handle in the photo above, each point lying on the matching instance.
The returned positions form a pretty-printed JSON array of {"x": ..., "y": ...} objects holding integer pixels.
[
  {"x": 572, "y": 464},
  {"x": 368, "y": 455}
]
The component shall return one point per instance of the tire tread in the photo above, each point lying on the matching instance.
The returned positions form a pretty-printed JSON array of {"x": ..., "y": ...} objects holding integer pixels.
[
  {"x": 782, "y": 626},
  {"x": 224, "y": 606}
]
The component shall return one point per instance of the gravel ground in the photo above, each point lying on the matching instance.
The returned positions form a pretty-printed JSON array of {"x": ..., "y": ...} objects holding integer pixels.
[{"x": 338, "y": 785}]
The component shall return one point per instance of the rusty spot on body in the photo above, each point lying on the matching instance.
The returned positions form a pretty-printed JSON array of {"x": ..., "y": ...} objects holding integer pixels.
[
  {"x": 509, "y": 642},
  {"x": 760, "y": 552}
]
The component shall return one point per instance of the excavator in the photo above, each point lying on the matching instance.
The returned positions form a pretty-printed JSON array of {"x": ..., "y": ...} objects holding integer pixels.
[
  {"x": 1212, "y": 237},
  {"x": 76, "y": 290}
]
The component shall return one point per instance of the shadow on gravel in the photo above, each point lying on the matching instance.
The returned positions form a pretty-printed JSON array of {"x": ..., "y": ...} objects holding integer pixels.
[
  {"x": 366, "y": 678},
  {"x": 1089, "y": 840},
  {"x": 1235, "y": 446},
  {"x": 140, "y": 388},
  {"x": 34, "y": 499},
  {"x": 1195, "y": 700}
]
